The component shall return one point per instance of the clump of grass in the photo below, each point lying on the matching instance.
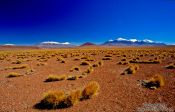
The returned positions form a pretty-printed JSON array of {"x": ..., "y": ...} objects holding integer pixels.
[
  {"x": 85, "y": 57},
  {"x": 107, "y": 58},
  {"x": 72, "y": 98},
  {"x": 19, "y": 67},
  {"x": 13, "y": 74},
  {"x": 95, "y": 65},
  {"x": 75, "y": 68},
  {"x": 171, "y": 66},
  {"x": 146, "y": 61},
  {"x": 52, "y": 78},
  {"x": 29, "y": 71},
  {"x": 59, "y": 59},
  {"x": 100, "y": 63},
  {"x": 84, "y": 73},
  {"x": 89, "y": 70},
  {"x": 80, "y": 76},
  {"x": 122, "y": 63},
  {"x": 158, "y": 80},
  {"x": 58, "y": 99},
  {"x": 85, "y": 63},
  {"x": 89, "y": 59},
  {"x": 155, "y": 82},
  {"x": 76, "y": 59},
  {"x": 131, "y": 69},
  {"x": 53, "y": 100},
  {"x": 17, "y": 62},
  {"x": 90, "y": 90},
  {"x": 63, "y": 61},
  {"x": 72, "y": 77},
  {"x": 123, "y": 59},
  {"x": 108, "y": 55}
]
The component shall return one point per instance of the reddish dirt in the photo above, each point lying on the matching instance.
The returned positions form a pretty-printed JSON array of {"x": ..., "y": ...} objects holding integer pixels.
[{"x": 118, "y": 93}]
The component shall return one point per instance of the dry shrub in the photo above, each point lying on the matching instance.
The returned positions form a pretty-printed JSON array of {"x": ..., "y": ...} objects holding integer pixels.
[
  {"x": 75, "y": 68},
  {"x": 58, "y": 99},
  {"x": 73, "y": 98},
  {"x": 72, "y": 77},
  {"x": 76, "y": 59},
  {"x": 108, "y": 55},
  {"x": 146, "y": 61},
  {"x": 53, "y": 100},
  {"x": 89, "y": 70},
  {"x": 107, "y": 58},
  {"x": 85, "y": 63},
  {"x": 100, "y": 63},
  {"x": 30, "y": 71},
  {"x": 157, "y": 80},
  {"x": 95, "y": 65},
  {"x": 153, "y": 83},
  {"x": 171, "y": 66},
  {"x": 20, "y": 67},
  {"x": 17, "y": 62},
  {"x": 131, "y": 69},
  {"x": 90, "y": 90},
  {"x": 52, "y": 78},
  {"x": 13, "y": 74}
]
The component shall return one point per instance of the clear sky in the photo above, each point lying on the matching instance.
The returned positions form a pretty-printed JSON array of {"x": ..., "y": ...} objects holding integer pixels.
[{"x": 77, "y": 21}]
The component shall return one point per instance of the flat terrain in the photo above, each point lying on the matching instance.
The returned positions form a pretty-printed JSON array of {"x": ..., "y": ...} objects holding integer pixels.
[{"x": 118, "y": 93}]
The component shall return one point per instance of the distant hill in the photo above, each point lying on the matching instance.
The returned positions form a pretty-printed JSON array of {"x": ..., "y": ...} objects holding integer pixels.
[
  {"x": 132, "y": 42},
  {"x": 88, "y": 44}
]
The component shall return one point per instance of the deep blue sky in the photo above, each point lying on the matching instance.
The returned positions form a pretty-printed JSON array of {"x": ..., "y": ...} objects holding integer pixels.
[{"x": 34, "y": 21}]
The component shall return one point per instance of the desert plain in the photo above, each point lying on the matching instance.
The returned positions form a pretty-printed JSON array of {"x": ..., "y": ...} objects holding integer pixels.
[{"x": 123, "y": 75}]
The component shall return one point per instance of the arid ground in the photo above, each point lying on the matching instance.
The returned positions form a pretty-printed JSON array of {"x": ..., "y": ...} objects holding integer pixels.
[{"x": 118, "y": 92}]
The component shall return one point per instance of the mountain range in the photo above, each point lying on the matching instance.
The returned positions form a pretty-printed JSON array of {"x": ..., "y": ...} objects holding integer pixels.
[
  {"x": 117, "y": 42},
  {"x": 132, "y": 42}
]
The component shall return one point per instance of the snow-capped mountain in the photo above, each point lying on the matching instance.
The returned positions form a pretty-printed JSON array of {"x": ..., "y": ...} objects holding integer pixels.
[
  {"x": 8, "y": 45},
  {"x": 132, "y": 42},
  {"x": 52, "y": 44}
]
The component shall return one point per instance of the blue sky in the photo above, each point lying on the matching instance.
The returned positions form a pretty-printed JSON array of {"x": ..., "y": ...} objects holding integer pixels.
[{"x": 78, "y": 21}]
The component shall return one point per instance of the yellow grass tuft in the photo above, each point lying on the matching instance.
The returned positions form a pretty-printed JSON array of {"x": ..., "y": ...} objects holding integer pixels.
[
  {"x": 90, "y": 90},
  {"x": 53, "y": 99},
  {"x": 52, "y": 78},
  {"x": 13, "y": 74},
  {"x": 73, "y": 98}
]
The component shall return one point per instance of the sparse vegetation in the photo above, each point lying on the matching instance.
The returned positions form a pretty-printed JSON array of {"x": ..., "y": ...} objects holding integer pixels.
[
  {"x": 100, "y": 63},
  {"x": 19, "y": 67},
  {"x": 75, "y": 68},
  {"x": 90, "y": 90},
  {"x": 13, "y": 74},
  {"x": 85, "y": 63},
  {"x": 155, "y": 82},
  {"x": 106, "y": 58},
  {"x": 58, "y": 99},
  {"x": 131, "y": 69},
  {"x": 52, "y": 78},
  {"x": 71, "y": 77},
  {"x": 73, "y": 98},
  {"x": 53, "y": 100},
  {"x": 170, "y": 66}
]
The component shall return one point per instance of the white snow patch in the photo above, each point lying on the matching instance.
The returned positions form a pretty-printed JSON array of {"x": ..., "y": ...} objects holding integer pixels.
[
  {"x": 147, "y": 40},
  {"x": 121, "y": 39},
  {"x": 133, "y": 40},
  {"x": 52, "y": 42}
]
